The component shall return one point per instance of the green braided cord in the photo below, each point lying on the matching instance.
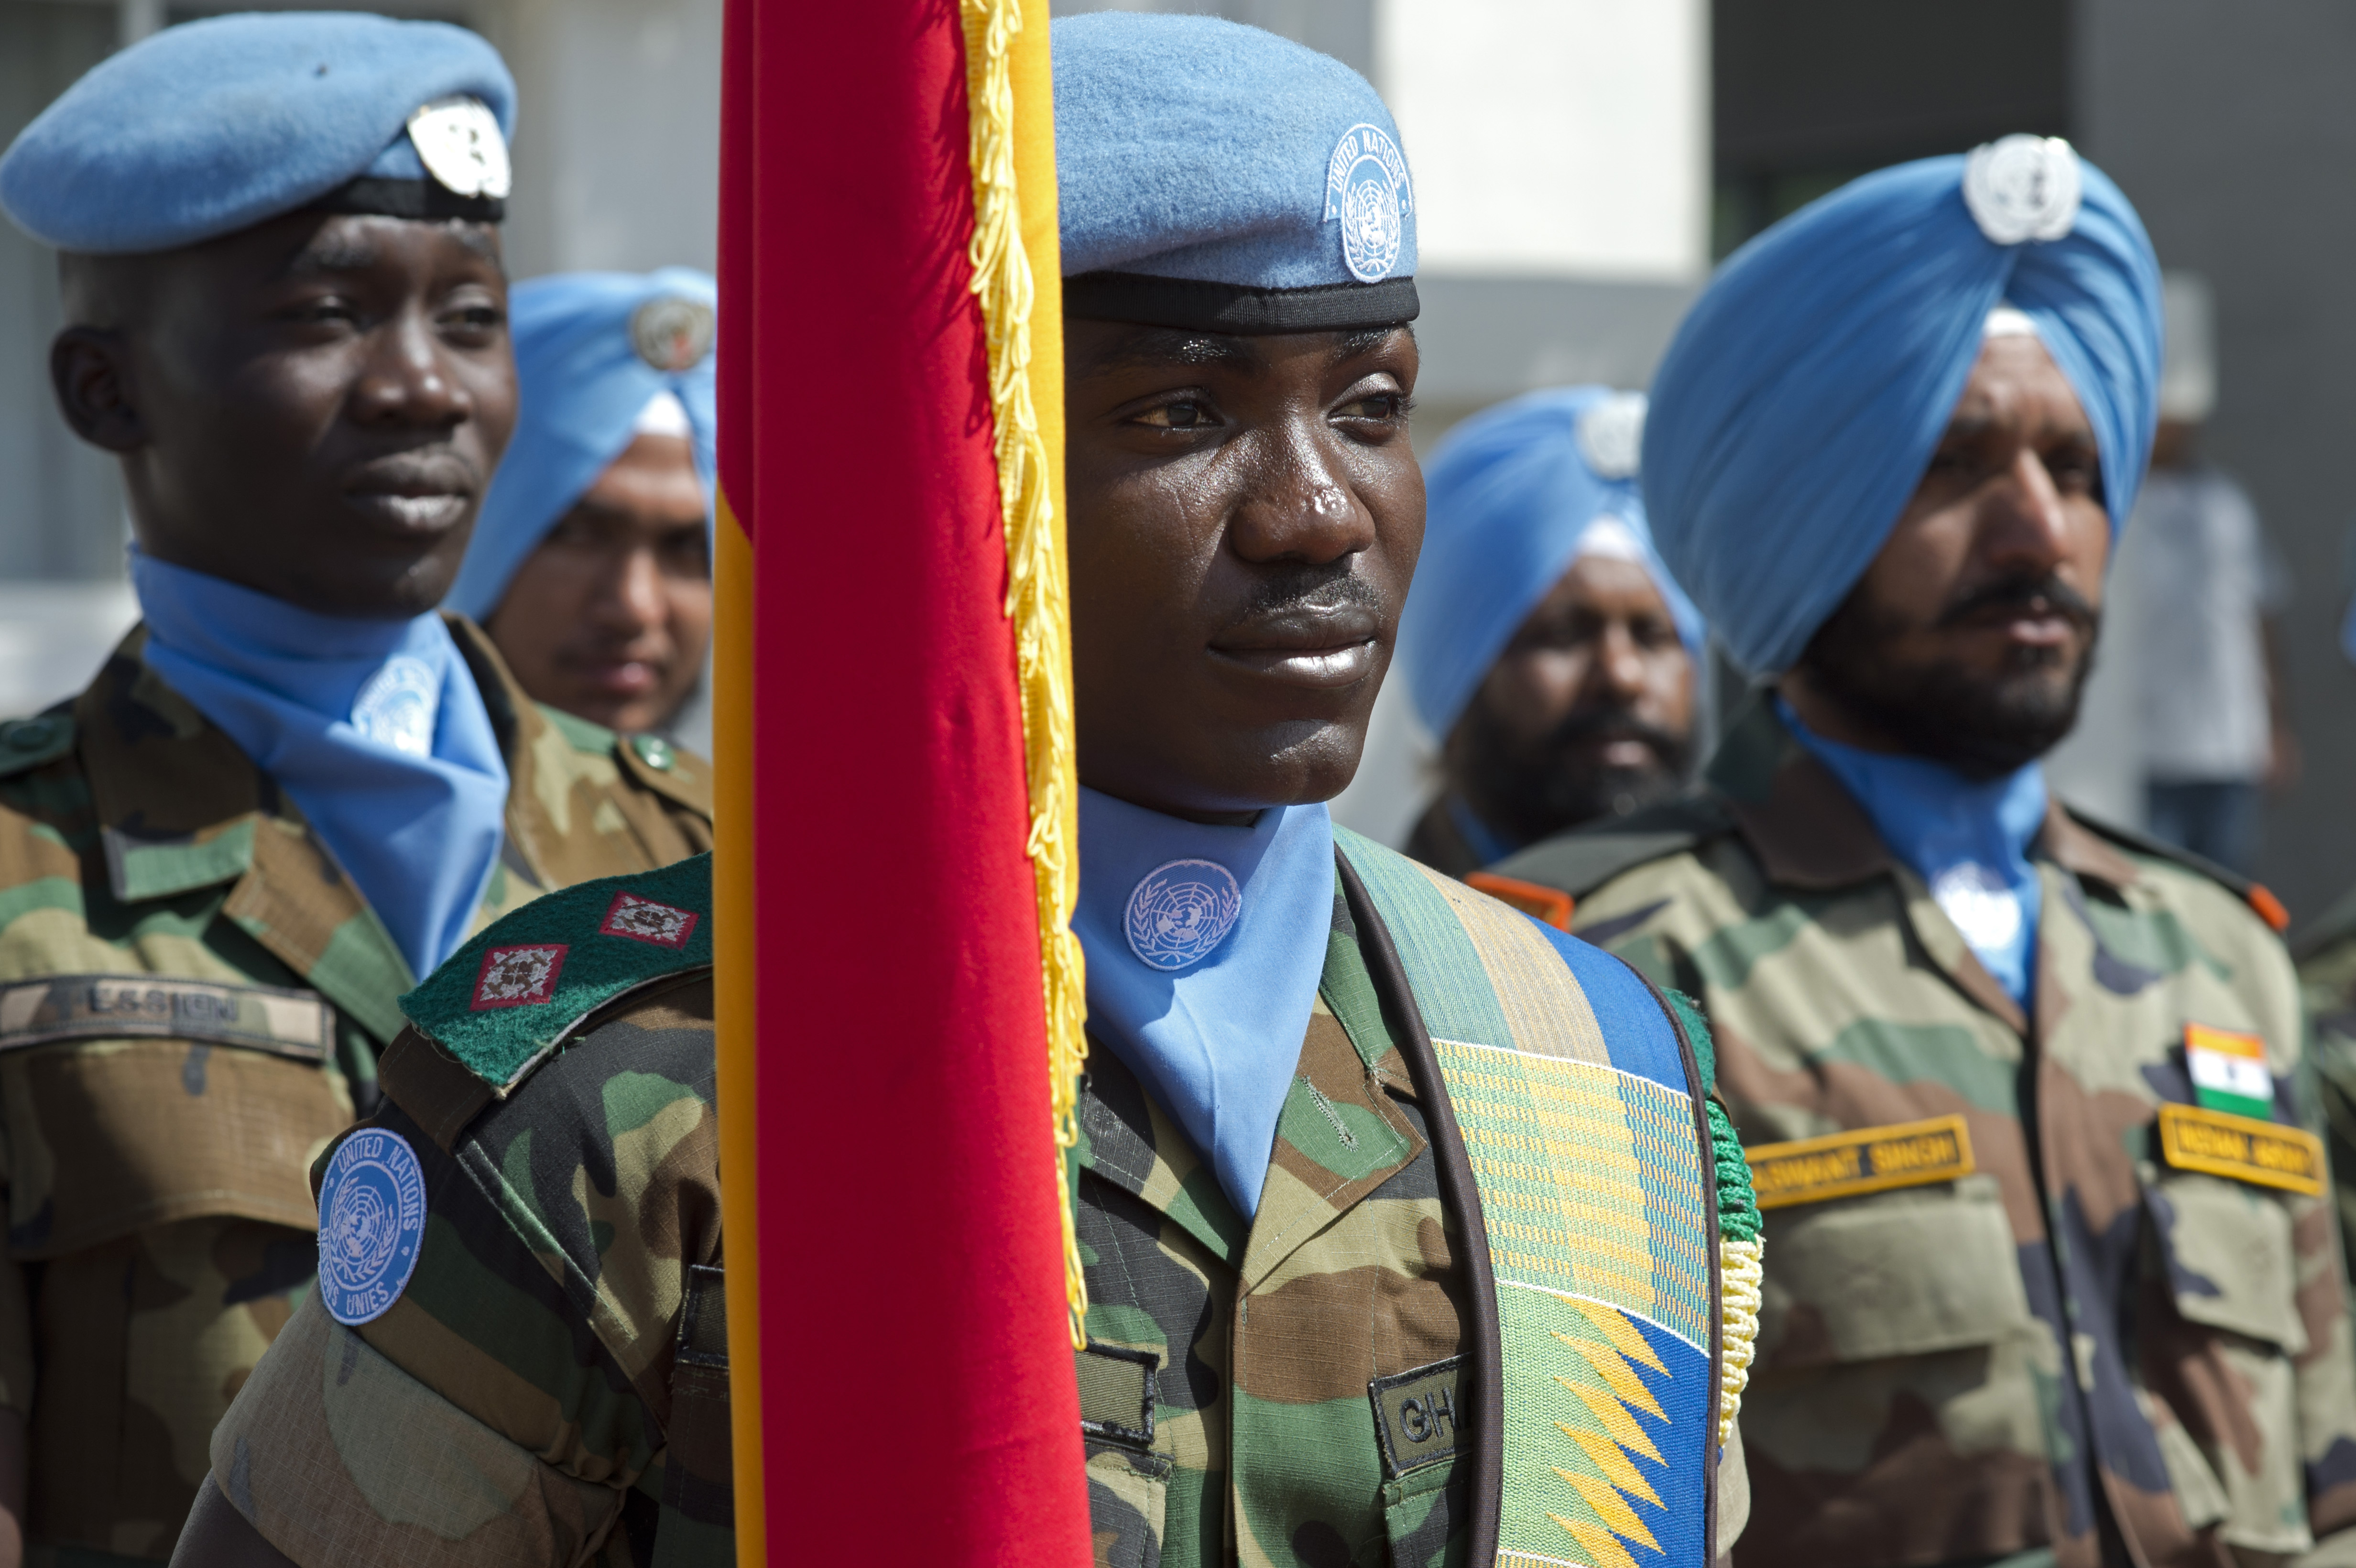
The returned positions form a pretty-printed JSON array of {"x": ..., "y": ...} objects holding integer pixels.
[{"x": 1738, "y": 1210}]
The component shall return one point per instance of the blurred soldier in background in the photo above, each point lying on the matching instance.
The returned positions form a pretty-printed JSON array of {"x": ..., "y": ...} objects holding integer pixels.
[
  {"x": 591, "y": 565},
  {"x": 2049, "y": 1272},
  {"x": 2215, "y": 724},
  {"x": 294, "y": 788},
  {"x": 1544, "y": 644}
]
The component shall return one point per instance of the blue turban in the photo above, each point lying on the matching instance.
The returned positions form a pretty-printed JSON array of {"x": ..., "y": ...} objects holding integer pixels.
[
  {"x": 216, "y": 125},
  {"x": 592, "y": 350},
  {"x": 1804, "y": 395},
  {"x": 1517, "y": 493},
  {"x": 1217, "y": 177}
]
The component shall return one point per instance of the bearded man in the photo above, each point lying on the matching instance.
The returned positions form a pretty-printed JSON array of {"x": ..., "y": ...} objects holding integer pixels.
[
  {"x": 2052, "y": 1271},
  {"x": 1546, "y": 644}
]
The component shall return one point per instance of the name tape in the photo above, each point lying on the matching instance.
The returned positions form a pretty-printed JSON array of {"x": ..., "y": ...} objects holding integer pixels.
[
  {"x": 2217, "y": 1143},
  {"x": 1870, "y": 1159},
  {"x": 1419, "y": 1414},
  {"x": 113, "y": 1007}
]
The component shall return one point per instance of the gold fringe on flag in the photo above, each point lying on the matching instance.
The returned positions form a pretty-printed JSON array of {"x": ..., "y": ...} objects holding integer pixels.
[{"x": 1037, "y": 594}]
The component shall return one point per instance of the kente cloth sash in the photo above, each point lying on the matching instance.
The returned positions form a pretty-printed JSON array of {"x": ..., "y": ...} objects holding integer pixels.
[{"x": 1576, "y": 1108}]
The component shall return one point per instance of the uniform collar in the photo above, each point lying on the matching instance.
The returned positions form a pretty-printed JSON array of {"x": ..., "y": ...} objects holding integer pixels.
[
  {"x": 1809, "y": 833},
  {"x": 180, "y": 807}
]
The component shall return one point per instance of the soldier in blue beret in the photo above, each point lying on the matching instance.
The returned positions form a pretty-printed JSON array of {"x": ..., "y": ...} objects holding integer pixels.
[
  {"x": 295, "y": 787},
  {"x": 1397, "y": 1206}
]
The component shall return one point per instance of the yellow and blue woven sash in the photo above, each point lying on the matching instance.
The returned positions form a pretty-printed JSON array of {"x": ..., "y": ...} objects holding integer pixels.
[{"x": 1580, "y": 1122}]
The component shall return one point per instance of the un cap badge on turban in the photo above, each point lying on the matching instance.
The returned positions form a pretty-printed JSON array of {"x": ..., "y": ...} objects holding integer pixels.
[
  {"x": 672, "y": 332},
  {"x": 2022, "y": 188},
  {"x": 1612, "y": 435}
]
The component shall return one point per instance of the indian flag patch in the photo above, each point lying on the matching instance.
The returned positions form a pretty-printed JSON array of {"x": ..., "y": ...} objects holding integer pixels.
[{"x": 2229, "y": 1072}]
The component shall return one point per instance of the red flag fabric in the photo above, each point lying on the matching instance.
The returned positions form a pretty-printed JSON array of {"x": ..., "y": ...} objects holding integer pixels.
[{"x": 901, "y": 1360}]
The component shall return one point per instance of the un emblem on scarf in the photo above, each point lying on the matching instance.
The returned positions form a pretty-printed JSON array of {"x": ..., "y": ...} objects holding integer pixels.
[
  {"x": 371, "y": 1220},
  {"x": 1179, "y": 911},
  {"x": 2022, "y": 188},
  {"x": 1367, "y": 188},
  {"x": 398, "y": 706}
]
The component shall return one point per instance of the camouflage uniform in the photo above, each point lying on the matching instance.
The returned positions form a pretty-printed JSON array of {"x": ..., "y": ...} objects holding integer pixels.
[
  {"x": 192, "y": 998},
  {"x": 2326, "y": 976},
  {"x": 1949, "y": 1366},
  {"x": 543, "y": 1352}
]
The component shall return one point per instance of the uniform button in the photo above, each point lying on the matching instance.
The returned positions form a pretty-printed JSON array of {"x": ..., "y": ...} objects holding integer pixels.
[
  {"x": 653, "y": 750},
  {"x": 32, "y": 734}
]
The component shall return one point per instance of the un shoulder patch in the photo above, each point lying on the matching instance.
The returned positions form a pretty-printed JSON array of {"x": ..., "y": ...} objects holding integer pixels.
[{"x": 372, "y": 1224}]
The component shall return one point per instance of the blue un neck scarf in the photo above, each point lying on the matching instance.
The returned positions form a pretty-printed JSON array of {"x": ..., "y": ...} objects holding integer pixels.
[
  {"x": 1968, "y": 840},
  {"x": 1205, "y": 946},
  {"x": 373, "y": 728}
]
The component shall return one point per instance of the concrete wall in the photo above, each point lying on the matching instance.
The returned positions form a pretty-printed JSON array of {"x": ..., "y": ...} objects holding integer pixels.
[{"x": 2231, "y": 126}]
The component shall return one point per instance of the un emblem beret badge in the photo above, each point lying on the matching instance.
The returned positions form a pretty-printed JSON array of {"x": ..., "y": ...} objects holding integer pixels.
[
  {"x": 458, "y": 140},
  {"x": 1367, "y": 188},
  {"x": 372, "y": 1224},
  {"x": 672, "y": 334},
  {"x": 1180, "y": 911},
  {"x": 2023, "y": 187}
]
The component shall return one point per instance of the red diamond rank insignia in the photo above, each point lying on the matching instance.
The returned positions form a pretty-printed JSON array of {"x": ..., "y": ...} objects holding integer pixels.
[
  {"x": 643, "y": 920},
  {"x": 519, "y": 977}
]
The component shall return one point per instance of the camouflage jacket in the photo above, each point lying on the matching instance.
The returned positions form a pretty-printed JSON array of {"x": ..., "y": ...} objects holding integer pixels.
[
  {"x": 1989, "y": 1290},
  {"x": 549, "y": 1388},
  {"x": 550, "y": 1384},
  {"x": 2326, "y": 976},
  {"x": 1297, "y": 1389},
  {"x": 192, "y": 997}
]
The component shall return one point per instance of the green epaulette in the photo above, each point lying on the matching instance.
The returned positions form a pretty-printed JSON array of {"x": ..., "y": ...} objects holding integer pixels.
[
  {"x": 512, "y": 994},
  {"x": 1584, "y": 859},
  {"x": 27, "y": 743}
]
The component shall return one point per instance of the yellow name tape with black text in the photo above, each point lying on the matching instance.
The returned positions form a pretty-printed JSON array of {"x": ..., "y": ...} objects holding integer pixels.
[
  {"x": 2217, "y": 1143},
  {"x": 1870, "y": 1159}
]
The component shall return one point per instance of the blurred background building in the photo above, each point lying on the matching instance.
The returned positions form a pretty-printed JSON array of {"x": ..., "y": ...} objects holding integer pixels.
[{"x": 1580, "y": 162}]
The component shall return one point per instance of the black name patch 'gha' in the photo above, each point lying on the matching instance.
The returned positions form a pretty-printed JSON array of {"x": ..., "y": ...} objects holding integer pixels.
[{"x": 1419, "y": 1414}]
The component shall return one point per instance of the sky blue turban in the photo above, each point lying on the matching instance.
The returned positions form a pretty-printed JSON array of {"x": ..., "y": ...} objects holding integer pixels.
[
  {"x": 212, "y": 126},
  {"x": 1802, "y": 398},
  {"x": 591, "y": 351},
  {"x": 1515, "y": 493},
  {"x": 1217, "y": 177}
]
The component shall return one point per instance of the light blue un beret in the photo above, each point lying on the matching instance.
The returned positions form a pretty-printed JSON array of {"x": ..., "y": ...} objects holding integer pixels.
[
  {"x": 213, "y": 126},
  {"x": 1217, "y": 177},
  {"x": 1517, "y": 493},
  {"x": 592, "y": 350},
  {"x": 1802, "y": 399}
]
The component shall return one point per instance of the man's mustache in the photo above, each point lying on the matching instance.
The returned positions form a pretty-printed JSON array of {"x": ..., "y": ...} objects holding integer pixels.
[
  {"x": 2038, "y": 596},
  {"x": 1313, "y": 590},
  {"x": 1615, "y": 723}
]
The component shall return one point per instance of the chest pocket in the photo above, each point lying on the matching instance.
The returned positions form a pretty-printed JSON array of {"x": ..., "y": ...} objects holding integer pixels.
[
  {"x": 1903, "y": 1273},
  {"x": 135, "y": 1099},
  {"x": 2227, "y": 1249}
]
